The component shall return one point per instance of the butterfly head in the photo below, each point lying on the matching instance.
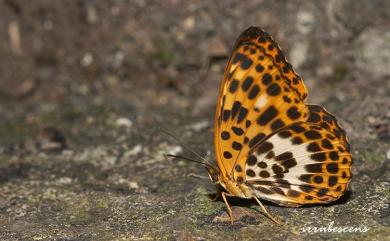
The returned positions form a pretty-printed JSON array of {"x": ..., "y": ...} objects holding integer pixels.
[{"x": 213, "y": 174}]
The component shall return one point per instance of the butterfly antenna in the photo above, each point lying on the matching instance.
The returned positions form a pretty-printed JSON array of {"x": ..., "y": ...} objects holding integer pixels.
[
  {"x": 189, "y": 159},
  {"x": 184, "y": 145},
  {"x": 165, "y": 131}
]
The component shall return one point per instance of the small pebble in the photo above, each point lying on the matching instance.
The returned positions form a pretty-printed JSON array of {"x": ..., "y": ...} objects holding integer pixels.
[{"x": 124, "y": 122}]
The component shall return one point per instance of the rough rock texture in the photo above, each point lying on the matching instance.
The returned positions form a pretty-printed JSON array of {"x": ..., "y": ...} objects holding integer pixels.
[{"x": 86, "y": 88}]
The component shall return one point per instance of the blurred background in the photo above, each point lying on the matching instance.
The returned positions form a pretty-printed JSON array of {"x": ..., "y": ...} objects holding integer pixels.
[
  {"x": 84, "y": 85},
  {"x": 163, "y": 50}
]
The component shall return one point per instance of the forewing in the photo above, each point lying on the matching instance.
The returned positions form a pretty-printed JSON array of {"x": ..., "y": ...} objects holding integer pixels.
[{"x": 260, "y": 94}]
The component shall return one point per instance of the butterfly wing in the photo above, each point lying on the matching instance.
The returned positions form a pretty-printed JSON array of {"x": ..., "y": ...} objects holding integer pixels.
[
  {"x": 260, "y": 93},
  {"x": 302, "y": 163},
  {"x": 267, "y": 137}
]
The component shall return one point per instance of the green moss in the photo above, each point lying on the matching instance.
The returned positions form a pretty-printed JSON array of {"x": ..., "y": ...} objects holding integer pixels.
[
  {"x": 164, "y": 52},
  {"x": 204, "y": 205},
  {"x": 86, "y": 210},
  {"x": 372, "y": 157},
  {"x": 14, "y": 131},
  {"x": 165, "y": 55},
  {"x": 4, "y": 161}
]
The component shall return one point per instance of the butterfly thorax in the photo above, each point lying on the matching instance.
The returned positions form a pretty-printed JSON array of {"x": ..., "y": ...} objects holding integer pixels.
[
  {"x": 235, "y": 187},
  {"x": 232, "y": 182}
]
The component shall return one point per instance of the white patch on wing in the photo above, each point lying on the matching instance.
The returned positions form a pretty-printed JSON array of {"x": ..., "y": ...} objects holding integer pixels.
[
  {"x": 272, "y": 197},
  {"x": 262, "y": 101},
  {"x": 280, "y": 146}
]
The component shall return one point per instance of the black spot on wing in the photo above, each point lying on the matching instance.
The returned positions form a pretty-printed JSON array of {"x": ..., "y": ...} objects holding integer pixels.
[
  {"x": 312, "y": 135},
  {"x": 273, "y": 89},
  {"x": 225, "y": 135},
  {"x": 286, "y": 99},
  {"x": 334, "y": 156},
  {"x": 236, "y": 146},
  {"x": 289, "y": 163},
  {"x": 259, "y": 68},
  {"x": 326, "y": 144},
  {"x": 278, "y": 191},
  {"x": 242, "y": 114},
  {"x": 313, "y": 147},
  {"x": 248, "y": 123},
  {"x": 252, "y": 160},
  {"x": 267, "y": 115},
  {"x": 332, "y": 181},
  {"x": 293, "y": 193},
  {"x": 293, "y": 113},
  {"x": 284, "y": 134},
  {"x": 250, "y": 173},
  {"x": 247, "y": 83},
  {"x": 297, "y": 128},
  {"x": 284, "y": 156},
  {"x": 226, "y": 115},
  {"x": 236, "y": 107},
  {"x": 313, "y": 117},
  {"x": 297, "y": 140},
  {"x": 320, "y": 156},
  {"x": 237, "y": 130},
  {"x": 332, "y": 168},
  {"x": 267, "y": 79},
  {"x": 254, "y": 92},
  {"x": 227, "y": 155},
  {"x": 277, "y": 124},
  {"x": 264, "y": 190},
  {"x": 322, "y": 192},
  {"x": 270, "y": 155},
  {"x": 245, "y": 61},
  {"x": 318, "y": 179},
  {"x": 262, "y": 165},
  {"x": 233, "y": 86},
  {"x": 314, "y": 168},
  {"x": 238, "y": 168},
  {"x": 264, "y": 174},
  {"x": 265, "y": 147},
  {"x": 256, "y": 139},
  {"x": 305, "y": 178},
  {"x": 277, "y": 169},
  {"x": 306, "y": 188}
]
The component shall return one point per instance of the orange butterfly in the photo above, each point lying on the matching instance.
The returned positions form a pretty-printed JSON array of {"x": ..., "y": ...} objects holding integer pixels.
[{"x": 269, "y": 143}]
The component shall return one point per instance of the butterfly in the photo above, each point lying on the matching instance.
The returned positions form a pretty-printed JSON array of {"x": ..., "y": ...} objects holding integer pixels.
[{"x": 269, "y": 143}]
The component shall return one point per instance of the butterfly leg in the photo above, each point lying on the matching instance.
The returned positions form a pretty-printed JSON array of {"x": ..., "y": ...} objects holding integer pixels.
[
  {"x": 266, "y": 212},
  {"x": 224, "y": 194},
  {"x": 215, "y": 198}
]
